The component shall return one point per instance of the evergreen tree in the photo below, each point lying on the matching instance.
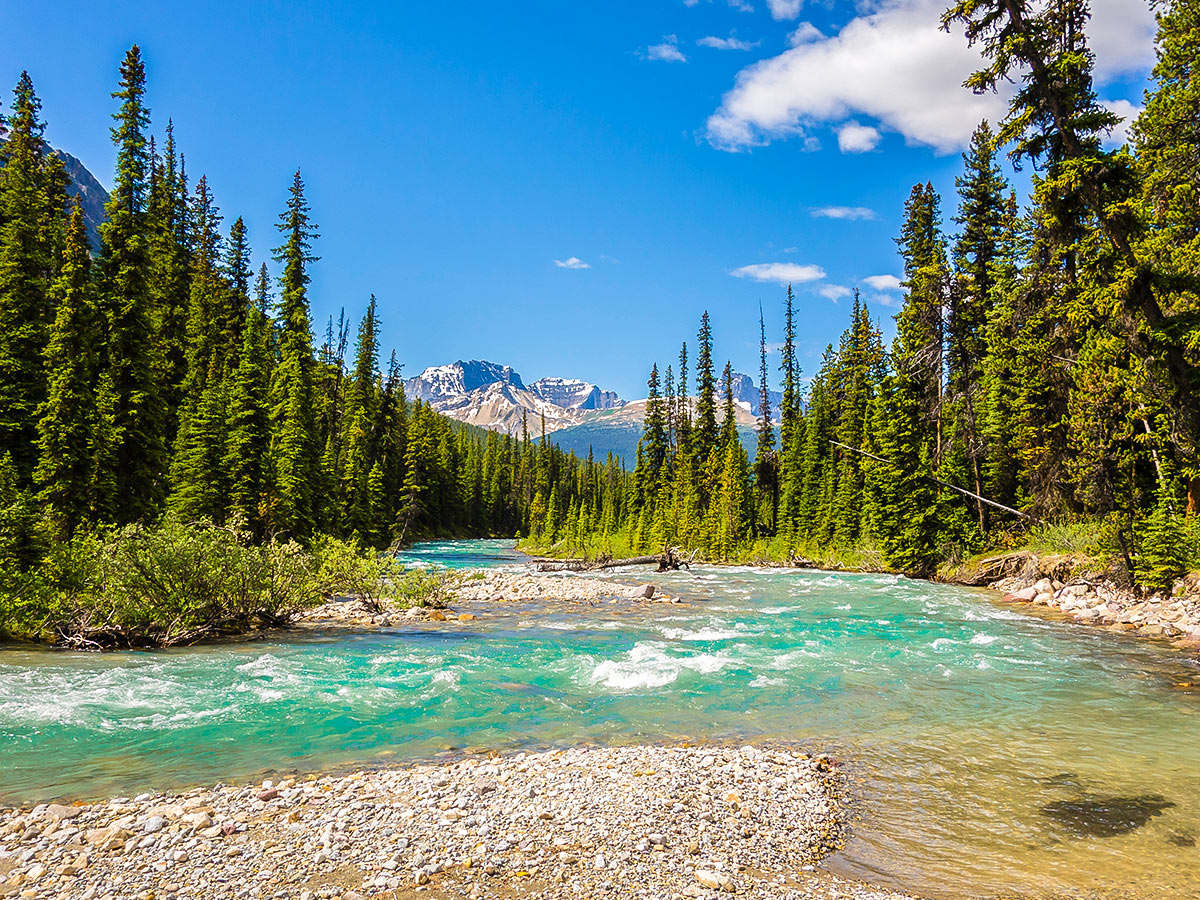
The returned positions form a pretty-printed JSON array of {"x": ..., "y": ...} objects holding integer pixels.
[
  {"x": 169, "y": 238},
  {"x": 67, "y": 422},
  {"x": 32, "y": 197},
  {"x": 1166, "y": 135},
  {"x": 654, "y": 440},
  {"x": 138, "y": 414},
  {"x": 245, "y": 459},
  {"x": 905, "y": 502},
  {"x": 977, "y": 255},
  {"x": 360, "y": 418},
  {"x": 706, "y": 390},
  {"x": 293, "y": 454},
  {"x": 766, "y": 483}
]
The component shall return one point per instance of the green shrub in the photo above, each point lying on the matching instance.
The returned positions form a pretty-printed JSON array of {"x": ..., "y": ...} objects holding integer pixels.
[
  {"x": 425, "y": 587},
  {"x": 346, "y": 568},
  {"x": 162, "y": 585}
]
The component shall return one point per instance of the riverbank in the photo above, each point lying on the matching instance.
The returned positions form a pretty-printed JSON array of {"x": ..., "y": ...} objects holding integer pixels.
[
  {"x": 1065, "y": 584},
  {"x": 664, "y": 821}
]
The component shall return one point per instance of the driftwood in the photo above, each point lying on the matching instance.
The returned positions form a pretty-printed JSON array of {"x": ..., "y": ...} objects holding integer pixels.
[{"x": 671, "y": 559}]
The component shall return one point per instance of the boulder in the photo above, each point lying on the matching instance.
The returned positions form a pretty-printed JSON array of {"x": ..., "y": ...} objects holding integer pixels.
[{"x": 715, "y": 881}]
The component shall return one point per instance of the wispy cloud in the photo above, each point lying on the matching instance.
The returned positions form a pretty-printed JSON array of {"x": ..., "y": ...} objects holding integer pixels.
[
  {"x": 780, "y": 273},
  {"x": 729, "y": 43},
  {"x": 805, "y": 32},
  {"x": 883, "y": 282},
  {"x": 572, "y": 262},
  {"x": 843, "y": 212},
  {"x": 834, "y": 292},
  {"x": 667, "y": 51},
  {"x": 883, "y": 300},
  {"x": 782, "y": 10},
  {"x": 739, "y": 5}
]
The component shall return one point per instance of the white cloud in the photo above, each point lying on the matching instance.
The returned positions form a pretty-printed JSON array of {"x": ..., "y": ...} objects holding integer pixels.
[
  {"x": 1121, "y": 34},
  {"x": 780, "y": 273},
  {"x": 729, "y": 43},
  {"x": 895, "y": 66},
  {"x": 667, "y": 51},
  {"x": 843, "y": 212},
  {"x": 741, "y": 5},
  {"x": 805, "y": 32},
  {"x": 834, "y": 292},
  {"x": 855, "y": 138},
  {"x": 883, "y": 300},
  {"x": 1128, "y": 112},
  {"x": 883, "y": 282},
  {"x": 572, "y": 262},
  {"x": 784, "y": 9}
]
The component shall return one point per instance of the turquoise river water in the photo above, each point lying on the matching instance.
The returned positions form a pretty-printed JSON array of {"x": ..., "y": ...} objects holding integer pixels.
[{"x": 990, "y": 753}]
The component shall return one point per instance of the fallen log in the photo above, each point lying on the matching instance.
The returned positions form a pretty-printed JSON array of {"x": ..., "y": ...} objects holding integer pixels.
[{"x": 669, "y": 560}]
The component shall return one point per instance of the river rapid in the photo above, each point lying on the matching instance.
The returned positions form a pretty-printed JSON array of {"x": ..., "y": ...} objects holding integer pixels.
[{"x": 990, "y": 753}]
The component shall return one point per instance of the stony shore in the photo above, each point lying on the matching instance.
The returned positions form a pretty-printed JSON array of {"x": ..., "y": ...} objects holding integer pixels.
[
  {"x": 478, "y": 589},
  {"x": 644, "y": 821},
  {"x": 500, "y": 586},
  {"x": 1056, "y": 583}
]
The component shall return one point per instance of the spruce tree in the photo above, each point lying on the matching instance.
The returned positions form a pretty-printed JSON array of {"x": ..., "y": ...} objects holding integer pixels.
[
  {"x": 1165, "y": 136},
  {"x": 32, "y": 197},
  {"x": 766, "y": 483},
  {"x": 170, "y": 276},
  {"x": 706, "y": 390},
  {"x": 294, "y": 457},
  {"x": 360, "y": 418},
  {"x": 67, "y": 423},
  {"x": 977, "y": 255},
  {"x": 654, "y": 441},
  {"x": 195, "y": 471},
  {"x": 244, "y": 463},
  {"x": 138, "y": 413}
]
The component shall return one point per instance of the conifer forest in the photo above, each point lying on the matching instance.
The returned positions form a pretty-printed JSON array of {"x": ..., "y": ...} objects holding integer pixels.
[{"x": 1044, "y": 372}]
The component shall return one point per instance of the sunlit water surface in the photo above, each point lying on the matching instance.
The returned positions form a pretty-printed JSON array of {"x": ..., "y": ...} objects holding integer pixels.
[{"x": 991, "y": 754}]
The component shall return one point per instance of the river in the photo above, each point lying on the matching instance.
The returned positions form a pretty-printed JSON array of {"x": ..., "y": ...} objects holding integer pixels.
[{"x": 991, "y": 754}]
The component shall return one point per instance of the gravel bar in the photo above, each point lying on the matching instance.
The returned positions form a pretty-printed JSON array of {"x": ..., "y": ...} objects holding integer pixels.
[{"x": 642, "y": 821}]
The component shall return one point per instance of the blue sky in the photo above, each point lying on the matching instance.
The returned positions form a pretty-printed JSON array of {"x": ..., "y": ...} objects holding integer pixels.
[{"x": 562, "y": 187}]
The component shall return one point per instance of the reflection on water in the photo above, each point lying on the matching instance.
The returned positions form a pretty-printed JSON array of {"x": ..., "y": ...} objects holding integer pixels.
[{"x": 991, "y": 754}]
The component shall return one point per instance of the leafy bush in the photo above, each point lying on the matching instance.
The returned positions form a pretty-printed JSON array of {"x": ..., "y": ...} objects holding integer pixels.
[
  {"x": 168, "y": 584},
  {"x": 425, "y": 587},
  {"x": 344, "y": 567}
]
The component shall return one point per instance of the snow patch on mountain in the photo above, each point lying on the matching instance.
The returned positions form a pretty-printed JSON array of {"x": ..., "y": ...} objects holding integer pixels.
[{"x": 571, "y": 393}]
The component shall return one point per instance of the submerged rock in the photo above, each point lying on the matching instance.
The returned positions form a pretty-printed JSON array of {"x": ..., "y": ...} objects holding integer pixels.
[{"x": 1092, "y": 816}]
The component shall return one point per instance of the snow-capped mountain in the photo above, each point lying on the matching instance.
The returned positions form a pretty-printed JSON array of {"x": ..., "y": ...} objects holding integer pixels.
[
  {"x": 442, "y": 383},
  {"x": 494, "y": 396},
  {"x": 571, "y": 393}
]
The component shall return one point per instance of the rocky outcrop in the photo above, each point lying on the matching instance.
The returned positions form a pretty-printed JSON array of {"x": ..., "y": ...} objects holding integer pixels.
[{"x": 1064, "y": 584}]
